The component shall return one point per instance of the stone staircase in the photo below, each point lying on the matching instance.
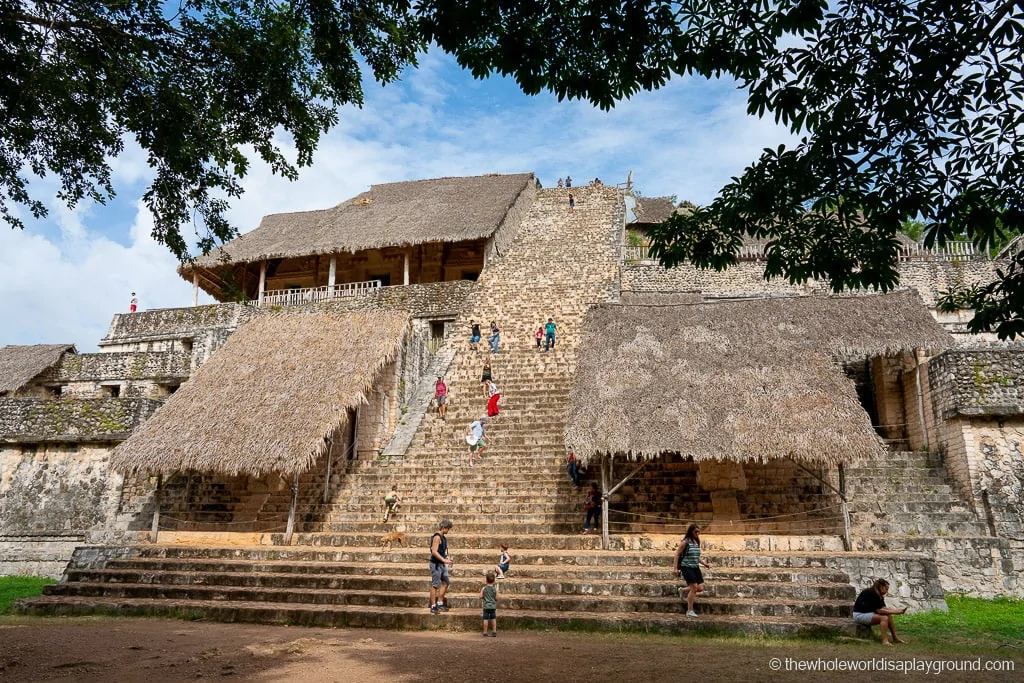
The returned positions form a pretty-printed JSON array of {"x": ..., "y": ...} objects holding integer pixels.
[
  {"x": 549, "y": 585},
  {"x": 905, "y": 503}
]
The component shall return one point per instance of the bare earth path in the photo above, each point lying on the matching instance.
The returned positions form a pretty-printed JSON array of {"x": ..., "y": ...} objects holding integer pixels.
[{"x": 152, "y": 650}]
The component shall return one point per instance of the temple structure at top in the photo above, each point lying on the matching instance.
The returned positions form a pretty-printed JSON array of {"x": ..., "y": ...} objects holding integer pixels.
[{"x": 412, "y": 232}]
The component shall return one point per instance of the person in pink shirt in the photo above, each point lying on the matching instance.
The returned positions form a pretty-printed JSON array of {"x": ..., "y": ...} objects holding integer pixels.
[{"x": 441, "y": 397}]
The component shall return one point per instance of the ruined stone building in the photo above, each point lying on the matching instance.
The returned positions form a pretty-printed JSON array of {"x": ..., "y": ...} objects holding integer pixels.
[{"x": 231, "y": 459}]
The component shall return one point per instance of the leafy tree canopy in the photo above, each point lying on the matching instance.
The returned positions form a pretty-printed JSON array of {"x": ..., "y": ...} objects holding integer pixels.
[
  {"x": 905, "y": 110},
  {"x": 193, "y": 81}
]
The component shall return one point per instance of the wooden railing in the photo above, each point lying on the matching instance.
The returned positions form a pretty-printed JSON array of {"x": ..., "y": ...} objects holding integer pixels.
[
  {"x": 951, "y": 251},
  {"x": 311, "y": 295}
]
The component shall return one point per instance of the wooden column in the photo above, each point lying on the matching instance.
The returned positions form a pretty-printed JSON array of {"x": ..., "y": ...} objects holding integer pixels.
[
  {"x": 154, "y": 530},
  {"x": 918, "y": 355},
  {"x": 332, "y": 275},
  {"x": 405, "y": 267},
  {"x": 195, "y": 288},
  {"x": 604, "y": 503},
  {"x": 263, "y": 282},
  {"x": 291, "y": 510}
]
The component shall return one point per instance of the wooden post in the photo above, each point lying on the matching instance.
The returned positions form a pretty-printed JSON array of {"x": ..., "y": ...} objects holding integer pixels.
[
  {"x": 291, "y": 510},
  {"x": 154, "y": 530},
  {"x": 604, "y": 502},
  {"x": 263, "y": 281},
  {"x": 847, "y": 539},
  {"x": 330, "y": 452},
  {"x": 332, "y": 276},
  {"x": 405, "y": 268},
  {"x": 920, "y": 397},
  {"x": 195, "y": 288}
]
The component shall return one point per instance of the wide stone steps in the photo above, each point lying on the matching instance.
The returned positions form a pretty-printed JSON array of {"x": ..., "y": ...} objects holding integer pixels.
[
  {"x": 421, "y": 618},
  {"x": 236, "y": 572},
  {"x": 233, "y": 585}
]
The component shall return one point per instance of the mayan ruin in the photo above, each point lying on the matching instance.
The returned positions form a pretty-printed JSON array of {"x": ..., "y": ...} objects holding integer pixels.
[{"x": 232, "y": 460}]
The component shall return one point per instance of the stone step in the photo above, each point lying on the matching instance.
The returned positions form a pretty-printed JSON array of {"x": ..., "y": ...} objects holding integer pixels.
[
  {"x": 938, "y": 504},
  {"x": 549, "y": 557},
  {"x": 457, "y": 599},
  {"x": 420, "y": 618},
  {"x": 515, "y": 583},
  {"x": 143, "y": 570},
  {"x": 923, "y": 528}
]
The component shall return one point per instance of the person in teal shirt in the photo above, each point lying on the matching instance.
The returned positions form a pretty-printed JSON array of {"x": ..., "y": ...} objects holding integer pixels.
[{"x": 549, "y": 333}]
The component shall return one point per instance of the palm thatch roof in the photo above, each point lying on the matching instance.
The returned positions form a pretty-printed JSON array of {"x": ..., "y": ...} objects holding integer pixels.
[
  {"x": 653, "y": 209},
  {"x": 389, "y": 215},
  {"x": 19, "y": 364},
  {"x": 266, "y": 400},
  {"x": 736, "y": 380}
]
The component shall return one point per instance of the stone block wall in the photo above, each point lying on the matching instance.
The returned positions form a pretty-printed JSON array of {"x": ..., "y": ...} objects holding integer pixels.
[
  {"x": 914, "y": 582},
  {"x": 978, "y": 382},
  {"x": 54, "y": 488},
  {"x": 928, "y": 278},
  {"x": 26, "y": 420},
  {"x": 136, "y": 375}
]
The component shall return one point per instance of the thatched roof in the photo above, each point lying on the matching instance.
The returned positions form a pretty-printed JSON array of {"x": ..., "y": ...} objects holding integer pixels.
[
  {"x": 266, "y": 399},
  {"x": 653, "y": 209},
  {"x": 19, "y": 364},
  {"x": 736, "y": 380},
  {"x": 389, "y": 215}
]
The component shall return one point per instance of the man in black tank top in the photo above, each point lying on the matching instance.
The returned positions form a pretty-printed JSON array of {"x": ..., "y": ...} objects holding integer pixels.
[{"x": 439, "y": 564}]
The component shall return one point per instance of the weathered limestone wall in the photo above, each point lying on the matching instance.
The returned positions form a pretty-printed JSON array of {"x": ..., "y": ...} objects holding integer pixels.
[
  {"x": 135, "y": 375},
  {"x": 25, "y": 420},
  {"x": 914, "y": 583},
  {"x": 929, "y": 278},
  {"x": 56, "y": 488},
  {"x": 978, "y": 382},
  {"x": 36, "y": 554}
]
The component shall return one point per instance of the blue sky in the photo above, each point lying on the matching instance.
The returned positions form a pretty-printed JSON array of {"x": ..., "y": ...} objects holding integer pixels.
[{"x": 66, "y": 276}]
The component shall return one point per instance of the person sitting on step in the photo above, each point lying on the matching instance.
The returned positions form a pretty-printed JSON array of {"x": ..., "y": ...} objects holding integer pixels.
[{"x": 870, "y": 609}]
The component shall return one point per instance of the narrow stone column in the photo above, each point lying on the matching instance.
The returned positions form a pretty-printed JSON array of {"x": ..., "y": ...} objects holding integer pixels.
[
  {"x": 405, "y": 268},
  {"x": 195, "y": 289},
  {"x": 154, "y": 530},
  {"x": 332, "y": 276}
]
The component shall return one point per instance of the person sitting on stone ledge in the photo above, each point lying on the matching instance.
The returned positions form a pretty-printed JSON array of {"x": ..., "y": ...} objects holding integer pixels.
[{"x": 870, "y": 609}]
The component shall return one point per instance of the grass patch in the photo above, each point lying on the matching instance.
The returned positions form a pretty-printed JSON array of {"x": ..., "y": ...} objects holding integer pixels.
[
  {"x": 970, "y": 622},
  {"x": 14, "y": 587}
]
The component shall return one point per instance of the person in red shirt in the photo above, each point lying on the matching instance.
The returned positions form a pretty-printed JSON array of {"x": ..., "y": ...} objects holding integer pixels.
[{"x": 441, "y": 396}]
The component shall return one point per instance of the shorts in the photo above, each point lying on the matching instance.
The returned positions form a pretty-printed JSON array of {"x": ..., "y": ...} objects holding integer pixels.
[
  {"x": 475, "y": 339},
  {"x": 503, "y": 568},
  {"x": 439, "y": 575},
  {"x": 490, "y": 614},
  {"x": 441, "y": 400},
  {"x": 473, "y": 448},
  {"x": 692, "y": 575},
  {"x": 863, "y": 618}
]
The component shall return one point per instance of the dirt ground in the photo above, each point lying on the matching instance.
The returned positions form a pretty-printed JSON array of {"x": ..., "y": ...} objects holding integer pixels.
[{"x": 151, "y": 650}]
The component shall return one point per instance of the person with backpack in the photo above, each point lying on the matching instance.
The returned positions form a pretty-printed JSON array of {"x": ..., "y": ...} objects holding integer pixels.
[
  {"x": 439, "y": 565},
  {"x": 687, "y": 565},
  {"x": 592, "y": 506}
]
